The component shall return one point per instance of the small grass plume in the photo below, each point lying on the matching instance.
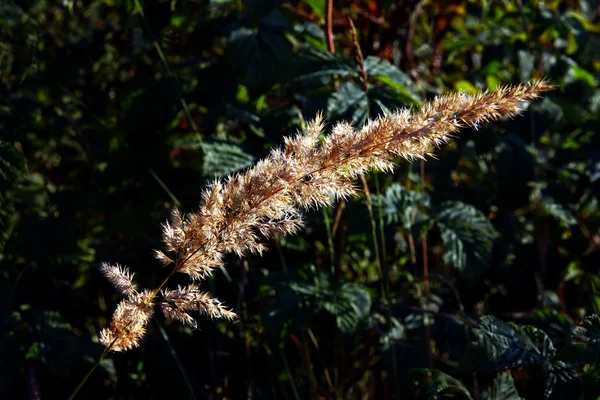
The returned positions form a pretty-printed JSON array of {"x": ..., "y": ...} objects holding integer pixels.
[{"x": 311, "y": 170}]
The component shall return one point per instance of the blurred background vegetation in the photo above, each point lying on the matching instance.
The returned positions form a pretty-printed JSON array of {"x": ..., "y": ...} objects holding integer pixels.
[{"x": 472, "y": 276}]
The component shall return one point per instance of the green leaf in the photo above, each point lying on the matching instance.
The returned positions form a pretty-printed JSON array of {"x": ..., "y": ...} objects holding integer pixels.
[
  {"x": 349, "y": 102},
  {"x": 553, "y": 320},
  {"x": 315, "y": 63},
  {"x": 498, "y": 346},
  {"x": 587, "y": 334},
  {"x": 223, "y": 157},
  {"x": 563, "y": 382},
  {"x": 558, "y": 211},
  {"x": 351, "y": 306},
  {"x": 318, "y": 7},
  {"x": 389, "y": 74},
  {"x": 438, "y": 385},
  {"x": 503, "y": 388},
  {"x": 261, "y": 56},
  {"x": 578, "y": 73},
  {"x": 400, "y": 205},
  {"x": 535, "y": 338},
  {"x": 382, "y": 99},
  {"x": 465, "y": 86},
  {"x": 468, "y": 238},
  {"x": 349, "y": 302}
]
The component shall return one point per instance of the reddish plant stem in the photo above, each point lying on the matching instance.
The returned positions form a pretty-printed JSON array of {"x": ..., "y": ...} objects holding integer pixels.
[{"x": 329, "y": 26}]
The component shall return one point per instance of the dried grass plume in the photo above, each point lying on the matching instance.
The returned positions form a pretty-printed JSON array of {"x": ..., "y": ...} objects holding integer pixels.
[{"x": 310, "y": 171}]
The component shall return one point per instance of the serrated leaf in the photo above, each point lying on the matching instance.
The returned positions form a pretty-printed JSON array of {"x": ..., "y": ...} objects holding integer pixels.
[
  {"x": 385, "y": 72},
  {"x": 382, "y": 99},
  {"x": 223, "y": 157},
  {"x": 563, "y": 382},
  {"x": 439, "y": 385},
  {"x": 498, "y": 346},
  {"x": 468, "y": 238},
  {"x": 350, "y": 103},
  {"x": 588, "y": 335},
  {"x": 535, "y": 338},
  {"x": 398, "y": 205},
  {"x": 314, "y": 63},
  {"x": 503, "y": 388},
  {"x": 349, "y": 302}
]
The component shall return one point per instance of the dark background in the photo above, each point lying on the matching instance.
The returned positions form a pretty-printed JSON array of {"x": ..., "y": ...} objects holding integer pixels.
[{"x": 110, "y": 116}]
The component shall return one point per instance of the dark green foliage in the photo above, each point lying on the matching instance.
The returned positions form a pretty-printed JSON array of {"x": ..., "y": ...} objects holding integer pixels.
[
  {"x": 503, "y": 388},
  {"x": 387, "y": 88},
  {"x": 12, "y": 168},
  {"x": 349, "y": 303},
  {"x": 401, "y": 206},
  {"x": 499, "y": 346},
  {"x": 587, "y": 334},
  {"x": 222, "y": 158},
  {"x": 437, "y": 385},
  {"x": 468, "y": 238},
  {"x": 110, "y": 117}
]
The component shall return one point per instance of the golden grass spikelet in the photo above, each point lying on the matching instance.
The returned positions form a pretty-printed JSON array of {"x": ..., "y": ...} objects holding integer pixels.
[
  {"x": 190, "y": 298},
  {"x": 128, "y": 325},
  {"x": 311, "y": 170},
  {"x": 119, "y": 276}
]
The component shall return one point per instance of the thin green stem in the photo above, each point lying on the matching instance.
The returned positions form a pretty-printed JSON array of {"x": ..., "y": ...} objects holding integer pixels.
[
  {"x": 175, "y": 358},
  {"x": 85, "y": 378},
  {"x": 329, "y": 240},
  {"x": 382, "y": 233},
  {"x": 165, "y": 188},
  {"x": 289, "y": 374},
  {"x": 164, "y": 282},
  {"x": 382, "y": 277}
]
